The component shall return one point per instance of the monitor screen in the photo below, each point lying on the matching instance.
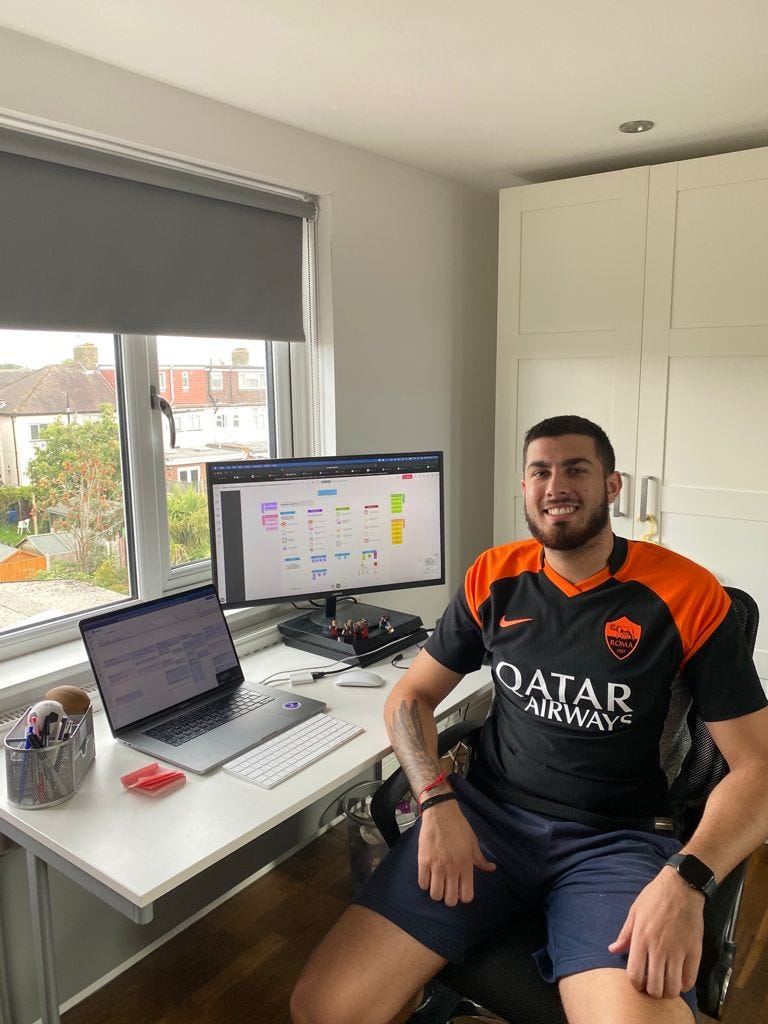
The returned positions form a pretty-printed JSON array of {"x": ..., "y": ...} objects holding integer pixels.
[{"x": 285, "y": 529}]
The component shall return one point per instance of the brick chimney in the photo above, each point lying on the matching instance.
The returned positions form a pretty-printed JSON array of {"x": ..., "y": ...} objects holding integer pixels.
[
  {"x": 87, "y": 355},
  {"x": 240, "y": 356}
]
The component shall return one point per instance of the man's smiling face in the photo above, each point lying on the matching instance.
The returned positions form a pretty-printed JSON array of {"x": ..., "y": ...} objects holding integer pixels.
[{"x": 566, "y": 491}]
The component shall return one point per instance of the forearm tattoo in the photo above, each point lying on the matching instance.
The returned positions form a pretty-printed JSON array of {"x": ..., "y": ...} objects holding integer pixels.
[{"x": 410, "y": 745}]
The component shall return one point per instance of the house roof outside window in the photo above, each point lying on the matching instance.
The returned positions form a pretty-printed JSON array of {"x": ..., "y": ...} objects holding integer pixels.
[{"x": 55, "y": 390}]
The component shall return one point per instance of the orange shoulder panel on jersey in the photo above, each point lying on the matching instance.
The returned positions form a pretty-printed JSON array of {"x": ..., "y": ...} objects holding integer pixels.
[
  {"x": 695, "y": 599},
  {"x": 504, "y": 562}
]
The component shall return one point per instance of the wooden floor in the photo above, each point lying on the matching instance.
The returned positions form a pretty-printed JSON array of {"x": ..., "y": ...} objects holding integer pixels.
[{"x": 240, "y": 962}]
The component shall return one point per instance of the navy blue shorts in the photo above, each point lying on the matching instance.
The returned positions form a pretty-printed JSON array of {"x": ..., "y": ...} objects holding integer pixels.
[{"x": 584, "y": 880}]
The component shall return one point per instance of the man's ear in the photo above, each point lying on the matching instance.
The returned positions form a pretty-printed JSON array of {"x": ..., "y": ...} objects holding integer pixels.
[{"x": 613, "y": 485}]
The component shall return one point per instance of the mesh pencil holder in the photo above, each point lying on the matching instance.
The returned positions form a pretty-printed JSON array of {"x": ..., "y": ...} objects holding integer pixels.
[{"x": 49, "y": 775}]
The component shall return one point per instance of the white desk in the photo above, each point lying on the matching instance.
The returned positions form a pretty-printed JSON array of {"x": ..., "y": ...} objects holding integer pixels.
[{"x": 193, "y": 827}]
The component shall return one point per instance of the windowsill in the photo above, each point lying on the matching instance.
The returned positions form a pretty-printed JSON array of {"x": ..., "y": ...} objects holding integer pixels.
[{"x": 26, "y": 677}]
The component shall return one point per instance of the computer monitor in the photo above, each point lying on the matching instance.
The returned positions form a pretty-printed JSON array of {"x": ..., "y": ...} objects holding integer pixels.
[{"x": 327, "y": 528}]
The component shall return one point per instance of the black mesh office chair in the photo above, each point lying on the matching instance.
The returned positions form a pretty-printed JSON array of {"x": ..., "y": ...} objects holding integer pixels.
[{"x": 500, "y": 974}]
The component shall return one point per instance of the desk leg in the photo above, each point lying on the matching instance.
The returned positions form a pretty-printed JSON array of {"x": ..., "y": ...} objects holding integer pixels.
[
  {"x": 5, "y": 1001},
  {"x": 42, "y": 937}
]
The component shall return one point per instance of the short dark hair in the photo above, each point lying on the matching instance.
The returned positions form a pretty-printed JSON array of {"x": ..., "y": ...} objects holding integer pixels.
[{"x": 557, "y": 426}]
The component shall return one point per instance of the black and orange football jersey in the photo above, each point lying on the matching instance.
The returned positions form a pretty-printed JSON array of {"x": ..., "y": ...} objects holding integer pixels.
[{"x": 584, "y": 674}]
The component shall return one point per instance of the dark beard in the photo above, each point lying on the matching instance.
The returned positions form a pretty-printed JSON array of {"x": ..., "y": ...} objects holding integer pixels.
[{"x": 563, "y": 537}]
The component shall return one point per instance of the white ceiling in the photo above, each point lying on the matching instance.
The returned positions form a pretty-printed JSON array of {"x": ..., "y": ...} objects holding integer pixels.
[{"x": 493, "y": 92}]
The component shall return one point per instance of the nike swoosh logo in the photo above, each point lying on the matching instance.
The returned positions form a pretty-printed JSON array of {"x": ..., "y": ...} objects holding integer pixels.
[{"x": 511, "y": 622}]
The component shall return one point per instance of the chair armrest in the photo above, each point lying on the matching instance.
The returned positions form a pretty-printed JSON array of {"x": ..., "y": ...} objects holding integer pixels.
[
  {"x": 719, "y": 949},
  {"x": 392, "y": 790}
]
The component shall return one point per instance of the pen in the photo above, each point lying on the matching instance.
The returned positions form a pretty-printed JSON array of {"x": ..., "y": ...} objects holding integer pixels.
[
  {"x": 33, "y": 741},
  {"x": 29, "y": 741}
]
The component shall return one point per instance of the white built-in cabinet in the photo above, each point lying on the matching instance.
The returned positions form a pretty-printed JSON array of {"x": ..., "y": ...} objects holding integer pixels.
[{"x": 639, "y": 298}]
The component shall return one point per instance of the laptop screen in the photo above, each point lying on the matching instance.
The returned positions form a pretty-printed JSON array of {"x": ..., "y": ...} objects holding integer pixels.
[{"x": 159, "y": 655}]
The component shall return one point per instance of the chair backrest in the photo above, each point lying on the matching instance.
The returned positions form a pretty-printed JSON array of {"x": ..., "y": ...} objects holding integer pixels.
[{"x": 704, "y": 765}]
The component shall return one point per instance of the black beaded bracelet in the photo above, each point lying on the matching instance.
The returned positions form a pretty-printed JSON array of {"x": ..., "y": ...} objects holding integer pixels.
[{"x": 432, "y": 800}]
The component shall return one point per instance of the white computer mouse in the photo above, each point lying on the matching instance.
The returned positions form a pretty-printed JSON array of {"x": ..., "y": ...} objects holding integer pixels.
[{"x": 359, "y": 677}]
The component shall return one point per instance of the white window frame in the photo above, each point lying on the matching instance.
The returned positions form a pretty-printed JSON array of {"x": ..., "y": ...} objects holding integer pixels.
[
  {"x": 161, "y": 381},
  {"x": 217, "y": 380},
  {"x": 185, "y": 380}
]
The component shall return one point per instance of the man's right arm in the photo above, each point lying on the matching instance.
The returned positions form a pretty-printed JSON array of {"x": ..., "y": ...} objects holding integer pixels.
[{"x": 448, "y": 848}]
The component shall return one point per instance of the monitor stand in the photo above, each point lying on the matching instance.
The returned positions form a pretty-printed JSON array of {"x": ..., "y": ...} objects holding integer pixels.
[{"x": 342, "y": 635}]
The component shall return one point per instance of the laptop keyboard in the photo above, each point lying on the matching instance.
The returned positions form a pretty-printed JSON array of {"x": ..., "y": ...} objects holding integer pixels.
[
  {"x": 210, "y": 716},
  {"x": 285, "y": 755}
]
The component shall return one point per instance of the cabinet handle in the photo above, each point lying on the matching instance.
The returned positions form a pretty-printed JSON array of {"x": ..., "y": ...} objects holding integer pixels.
[
  {"x": 643, "y": 518},
  {"x": 620, "y": 504}
]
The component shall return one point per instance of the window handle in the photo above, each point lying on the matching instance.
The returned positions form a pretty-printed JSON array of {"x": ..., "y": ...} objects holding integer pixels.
[
  {"x": 619, "y": 505},
  {"x": 158, "y": 402}
]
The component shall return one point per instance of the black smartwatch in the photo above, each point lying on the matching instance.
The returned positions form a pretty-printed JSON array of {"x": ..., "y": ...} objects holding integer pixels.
[{"x": 694, "y": 872}]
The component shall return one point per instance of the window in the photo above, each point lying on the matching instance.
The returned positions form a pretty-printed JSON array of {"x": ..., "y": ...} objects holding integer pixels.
[
  {"x": 189, "y": 476},
  {"x": 64, "y": 488},
  {"x": 252, "y": 380},
  {"x": 111, "y": 511},
  {"x": 217, "y": 380},
  {"x": 98, "y": 550}
]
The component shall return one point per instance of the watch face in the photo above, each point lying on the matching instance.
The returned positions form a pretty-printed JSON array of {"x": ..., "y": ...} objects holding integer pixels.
[{"x": 694, "y": 872}]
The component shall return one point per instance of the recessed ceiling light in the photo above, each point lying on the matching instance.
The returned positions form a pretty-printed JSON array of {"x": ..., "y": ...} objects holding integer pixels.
[{"x": 633, "y": 127}]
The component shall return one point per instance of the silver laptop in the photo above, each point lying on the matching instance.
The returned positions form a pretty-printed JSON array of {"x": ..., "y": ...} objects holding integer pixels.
[{"x": 172, "y": 686}]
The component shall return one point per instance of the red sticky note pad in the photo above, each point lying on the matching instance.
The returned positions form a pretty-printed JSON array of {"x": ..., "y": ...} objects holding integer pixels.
[{"x": 152, "y": 780}]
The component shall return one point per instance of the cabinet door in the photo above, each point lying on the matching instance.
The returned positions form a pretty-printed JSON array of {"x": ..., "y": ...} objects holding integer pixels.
[
  {"x": 704, "y": 390},
  {"x": 571, "y": 261}
]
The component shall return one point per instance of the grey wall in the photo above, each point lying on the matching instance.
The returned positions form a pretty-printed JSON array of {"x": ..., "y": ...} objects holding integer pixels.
[{"x": 410, "y": 261}]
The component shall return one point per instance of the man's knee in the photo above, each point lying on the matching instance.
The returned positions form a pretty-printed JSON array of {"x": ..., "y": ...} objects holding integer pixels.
[
  {"x": 324, "y": 997},
  {"x": 367, "y": 970},
  {"x": 303, "y": 1008},
  {"x": 313, "y": 1002}
]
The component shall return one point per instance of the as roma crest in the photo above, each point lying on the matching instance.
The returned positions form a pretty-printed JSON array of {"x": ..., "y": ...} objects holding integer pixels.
[{"x": 622, "y": 637}]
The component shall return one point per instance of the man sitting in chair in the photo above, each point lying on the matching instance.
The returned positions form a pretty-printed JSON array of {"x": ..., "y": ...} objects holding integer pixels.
[{"x": 568, "y": 808}]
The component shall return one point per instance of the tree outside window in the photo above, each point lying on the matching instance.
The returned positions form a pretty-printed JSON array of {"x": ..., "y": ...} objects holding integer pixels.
[{"x": 76, "y": 478}]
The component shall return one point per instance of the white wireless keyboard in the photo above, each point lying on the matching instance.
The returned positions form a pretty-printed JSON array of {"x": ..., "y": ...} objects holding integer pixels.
[{"x": 284, "y": 755}]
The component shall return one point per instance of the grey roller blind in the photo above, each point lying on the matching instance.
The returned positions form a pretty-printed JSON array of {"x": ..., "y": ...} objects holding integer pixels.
[{"x": 93, "y": 241}]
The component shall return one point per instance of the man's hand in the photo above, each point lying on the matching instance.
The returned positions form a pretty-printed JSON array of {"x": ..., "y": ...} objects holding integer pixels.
[
  {"x": 448, "y": 853},
  {"x": 663, "y": 933}
]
